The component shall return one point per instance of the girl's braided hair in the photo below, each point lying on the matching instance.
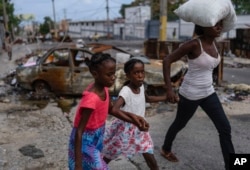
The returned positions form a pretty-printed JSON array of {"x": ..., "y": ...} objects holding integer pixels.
[
  {"x": 129, "y": 65},
  {"x": 97, "y": 59}
]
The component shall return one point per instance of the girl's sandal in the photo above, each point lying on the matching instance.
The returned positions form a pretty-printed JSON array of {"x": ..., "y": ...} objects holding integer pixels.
[{"x": 169, "y": 156}]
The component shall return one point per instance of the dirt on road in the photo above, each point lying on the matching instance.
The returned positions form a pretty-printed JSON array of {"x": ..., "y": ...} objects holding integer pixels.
[{"x": 35, "y": 136}]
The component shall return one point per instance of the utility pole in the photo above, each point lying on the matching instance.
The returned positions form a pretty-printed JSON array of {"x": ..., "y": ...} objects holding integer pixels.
[
  {"x": 163, "y": 20},
  {"x": 65, "y": 13},
  {"x": 162, "y": 48},
  {"x": 108, "y": 21},
  {"x": 54, "y": 14},
  {"x": 5, "y": 17}
]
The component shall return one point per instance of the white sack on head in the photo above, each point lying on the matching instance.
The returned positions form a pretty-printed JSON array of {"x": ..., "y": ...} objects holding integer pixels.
[{"x": 207, "y": 13}]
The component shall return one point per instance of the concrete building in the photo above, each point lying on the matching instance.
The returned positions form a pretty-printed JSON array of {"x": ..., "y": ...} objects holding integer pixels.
[
  {"x": 84, "y": 29},
  {"x": 185, "y": 29},
  {"x": 132, "y": 27},
  {"x": 135, "y": 19},
  {"x": 137, "y": 25}
]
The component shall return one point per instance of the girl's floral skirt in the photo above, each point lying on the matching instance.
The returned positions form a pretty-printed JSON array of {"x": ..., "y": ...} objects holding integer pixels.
[
  {"x": 92, "y": 144},
  {"x": 123, "y": 138}
]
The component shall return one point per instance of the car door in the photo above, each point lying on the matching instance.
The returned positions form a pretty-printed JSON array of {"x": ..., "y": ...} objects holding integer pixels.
[
  {"x": 81, "y": 77},
  {"x": 56, "y": 71}
]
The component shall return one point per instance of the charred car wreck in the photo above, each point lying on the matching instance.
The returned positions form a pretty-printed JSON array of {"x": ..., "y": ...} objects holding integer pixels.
[{"x": 62, "y": 70}]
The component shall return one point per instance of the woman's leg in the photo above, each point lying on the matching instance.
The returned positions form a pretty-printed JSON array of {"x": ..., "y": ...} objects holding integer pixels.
[
  {"x": 150, "y": 160},
  {"x": 212, "y": 106},
  {"x": 186, "y": 109}
]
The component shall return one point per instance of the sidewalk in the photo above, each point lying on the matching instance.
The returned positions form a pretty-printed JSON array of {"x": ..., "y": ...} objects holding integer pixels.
[
  {"x": 18, "y": 51},
  {"x": 122, "y": 163},
  {"x": 236, "y": 61},
  {"x": 197, "y": 145}
]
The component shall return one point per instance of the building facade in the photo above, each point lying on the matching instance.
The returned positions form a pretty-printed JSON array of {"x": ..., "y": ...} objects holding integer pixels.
[
  {"x": 137, "y": 25},
  {"x": 132, "y": 27},
  {"x": 85, "y": 29}
]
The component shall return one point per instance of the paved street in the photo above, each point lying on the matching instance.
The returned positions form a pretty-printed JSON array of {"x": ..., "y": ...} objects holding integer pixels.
[
  {"x": 197, "y": 146},
  {"x": 237, "y": 75}
]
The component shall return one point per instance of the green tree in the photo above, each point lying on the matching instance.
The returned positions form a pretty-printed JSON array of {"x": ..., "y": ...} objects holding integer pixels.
[
  {"x": 171, "y": 6},
  {"x": 242, "y": 7},
  {"x": 46, "y": 25},
  {"x": 122, "y": 10},
  {"x": 13, "y": 21}
]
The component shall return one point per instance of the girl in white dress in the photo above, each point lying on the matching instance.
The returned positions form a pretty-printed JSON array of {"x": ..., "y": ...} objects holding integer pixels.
[{"x": 123, "y": 138}]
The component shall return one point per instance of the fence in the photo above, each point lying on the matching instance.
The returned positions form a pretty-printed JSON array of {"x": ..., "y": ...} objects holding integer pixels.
[{"x": 240, "y": 46}]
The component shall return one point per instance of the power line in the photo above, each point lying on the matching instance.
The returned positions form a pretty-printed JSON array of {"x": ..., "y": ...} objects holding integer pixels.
[
  {"x": 115, "y": 2},
  {"x": 69, "y": 6},
  {"x": 115, "y": 13}
]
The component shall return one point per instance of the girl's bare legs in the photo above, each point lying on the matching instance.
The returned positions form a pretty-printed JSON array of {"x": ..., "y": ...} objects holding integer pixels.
[{"x": 151, "y": 162}]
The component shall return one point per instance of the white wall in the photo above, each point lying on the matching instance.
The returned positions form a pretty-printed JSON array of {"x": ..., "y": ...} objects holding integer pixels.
[
  {"x": 138, "y": 14},
  {"x": 243, "y": 21},
  {"x": 135, "y": 18},
  {"x": 134, "y": 26},
  {"x": 187, "y": 28},
  {"x": 84, "y": 29}
]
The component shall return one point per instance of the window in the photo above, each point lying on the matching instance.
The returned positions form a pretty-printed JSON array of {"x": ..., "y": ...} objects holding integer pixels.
[
  {"x": 58, "y": 58},
  {"x": 79, "y": 58}
]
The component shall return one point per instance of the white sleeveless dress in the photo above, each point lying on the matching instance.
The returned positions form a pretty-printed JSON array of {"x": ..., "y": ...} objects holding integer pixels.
[{"x": 122, "y": 138}]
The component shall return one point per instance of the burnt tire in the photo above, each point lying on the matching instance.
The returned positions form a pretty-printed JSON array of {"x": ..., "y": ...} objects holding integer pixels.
[{"x": 41, "y": 87}]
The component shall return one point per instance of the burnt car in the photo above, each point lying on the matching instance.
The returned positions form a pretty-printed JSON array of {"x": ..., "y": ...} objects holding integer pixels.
[{"x": 63, "y": 70}]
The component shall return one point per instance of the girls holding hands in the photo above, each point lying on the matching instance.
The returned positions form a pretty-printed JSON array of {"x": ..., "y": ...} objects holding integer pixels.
[
  {"x": 86, "y": 140},
  {"x": 123, "y": 137}
]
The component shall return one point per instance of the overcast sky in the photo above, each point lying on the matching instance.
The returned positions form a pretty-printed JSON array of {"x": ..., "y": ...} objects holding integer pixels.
[{"x": 71, "y": 9}]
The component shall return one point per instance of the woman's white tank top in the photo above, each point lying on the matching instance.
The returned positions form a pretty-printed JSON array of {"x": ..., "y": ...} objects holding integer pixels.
[{"x": 198, "y": 81}]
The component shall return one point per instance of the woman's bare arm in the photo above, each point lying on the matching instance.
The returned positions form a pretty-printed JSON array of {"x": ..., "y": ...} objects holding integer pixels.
[{"x": 185, "y": 49}]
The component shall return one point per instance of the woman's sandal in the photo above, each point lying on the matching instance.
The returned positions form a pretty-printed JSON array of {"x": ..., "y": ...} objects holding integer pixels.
[{"x": 169, "y": 156}]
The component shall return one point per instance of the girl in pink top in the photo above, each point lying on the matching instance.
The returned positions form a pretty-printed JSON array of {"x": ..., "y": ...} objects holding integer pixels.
[{"x": 86, "y": 137}]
